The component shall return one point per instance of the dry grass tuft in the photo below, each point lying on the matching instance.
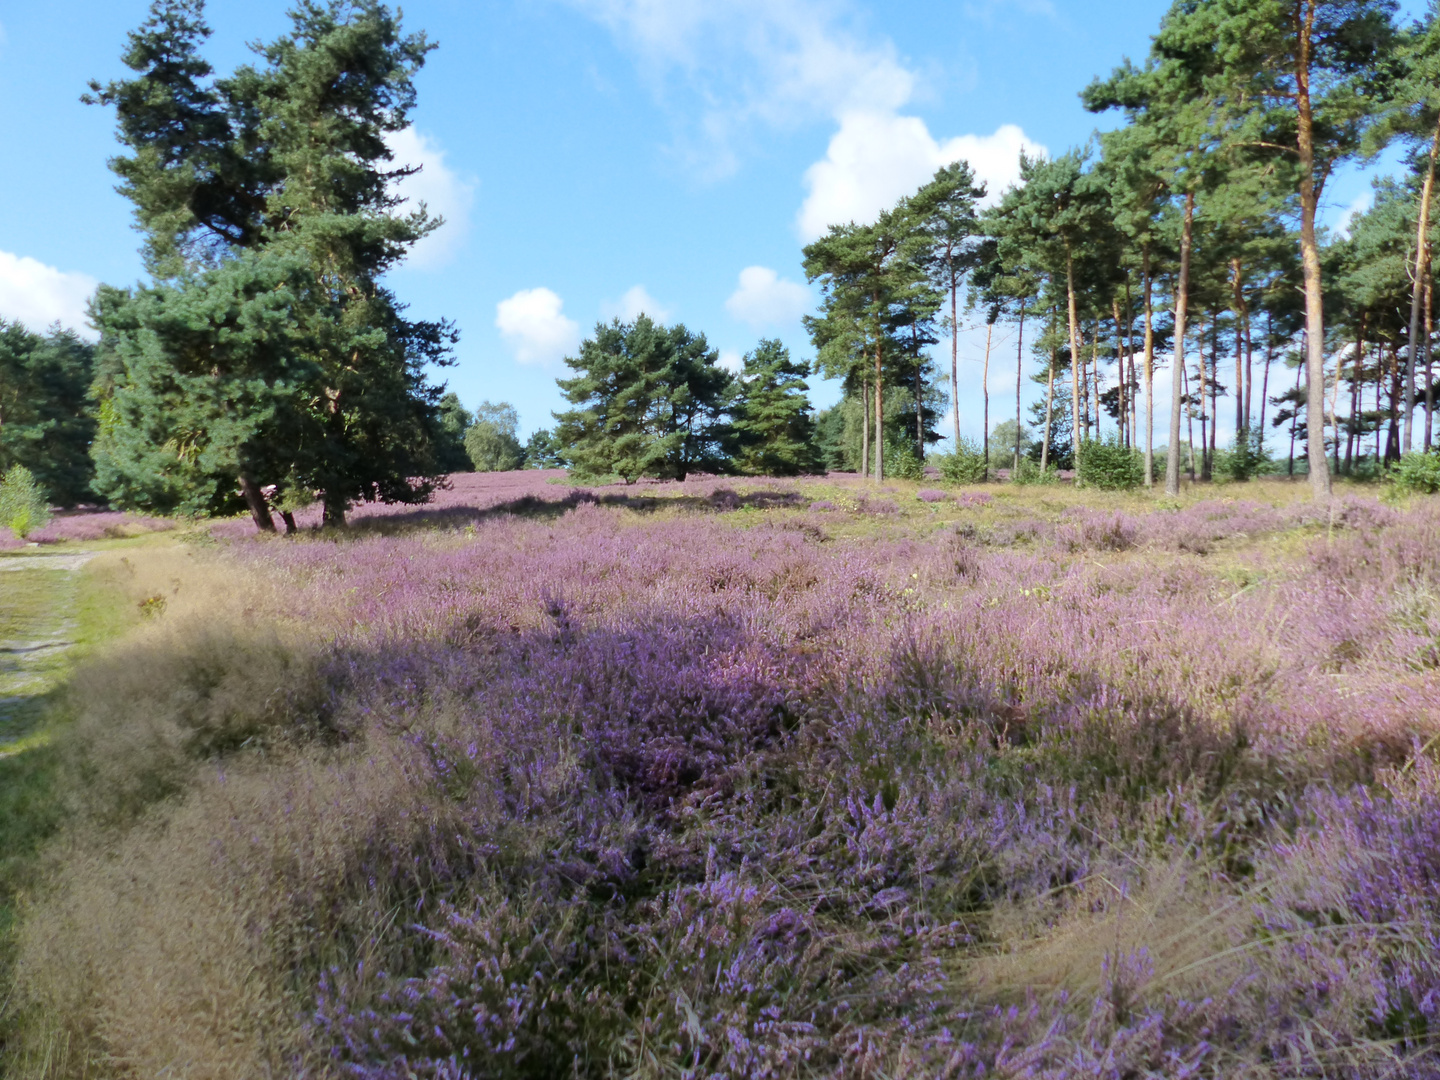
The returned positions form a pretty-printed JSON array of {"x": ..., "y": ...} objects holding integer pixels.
[{"x": 1177, "y": 918}]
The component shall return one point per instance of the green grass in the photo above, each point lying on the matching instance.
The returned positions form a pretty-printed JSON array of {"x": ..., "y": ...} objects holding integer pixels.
[{"x": 85, "y": 609}]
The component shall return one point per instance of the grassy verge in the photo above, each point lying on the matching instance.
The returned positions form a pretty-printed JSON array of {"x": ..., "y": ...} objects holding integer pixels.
[{"x": 88, "y": 608}]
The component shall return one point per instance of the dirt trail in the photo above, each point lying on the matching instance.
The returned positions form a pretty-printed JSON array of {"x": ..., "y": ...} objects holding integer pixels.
[{"x": 37, "y": 600}]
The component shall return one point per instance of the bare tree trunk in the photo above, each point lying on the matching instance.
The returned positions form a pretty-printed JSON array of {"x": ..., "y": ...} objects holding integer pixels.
[
  {"x": 1095, "y": 371},
  {"x": 1422, "y": 268},
  {"x": 1392, "y": 436},
  {"x": 865, "y": 427},
  {"x": 919, "y": 404},
  {"x": 1149, "y": 371},
  {"x": 1019, "y": 363},
  {"x": 879, "y": 415},
  {"x": 1049, "y": 410},
  {"x": 255, "y": 501},
  {"x": 955, "y": 359},
  {"x": 1335, "y": 406},
  {"x": 985, "y": 396},
  {"x": 290, "y": 527},
  {"x": 1189, "y": 422},
  {"x": 1131, "y": 383},
  {"x": 1269, "y": 356},
  {"x": 1242, "y": 383},
  {"x": 1074, "y": 353},
  {"x": 1357, "y": 371},
  {"x": 1295, "y": 418},
  {"x": 1124, "y": 408},
  {"x": 1204, "y": 442},
  {"x": 334, "y": 512},
  {"x": 1182, "y": 296},
  {"x": 1429, "y": 367},
  {"x": 1214, "y": 385},
  {"x": 1310, "y": 259}
]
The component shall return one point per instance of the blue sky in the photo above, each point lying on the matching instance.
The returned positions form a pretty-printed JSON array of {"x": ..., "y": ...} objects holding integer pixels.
[{"x": 595, "y": 158}]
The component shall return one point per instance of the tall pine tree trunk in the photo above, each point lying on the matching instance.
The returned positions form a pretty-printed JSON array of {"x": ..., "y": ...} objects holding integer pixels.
[
  {"x": 1204, "y": 442},
  {"x": 1422, "y": 267},
  {"x": 1269, "y": 356},
  {"x": 1310, "y": 262},
  {"x": 1049, "y": 409},
  {"x": 879, "y": 414},
  {"x": 955, "y": 359},
  {"x": 985, "y": 398},
  {"x": 864, "y": 427},
  {"x": 255, "y": 501},
  {"x": 1242, "y": 376},
  {"x": 1429, "y": 367},
  {"x": 1075, "y": 358},
  {"x": 1019, "y": 364},
  {"x": 1124, "y": 409},
  {"x": 1182, "y": 297},
  {"x": 1149, "y": 369}
]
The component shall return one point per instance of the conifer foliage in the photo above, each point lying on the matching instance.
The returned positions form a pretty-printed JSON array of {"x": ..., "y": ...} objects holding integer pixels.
[
  {"x": 774, "y": 431},
  {"x": 649, "y": 401},
  {"x": 266, "y": 351},
  {"x": 45, "y": 419}
]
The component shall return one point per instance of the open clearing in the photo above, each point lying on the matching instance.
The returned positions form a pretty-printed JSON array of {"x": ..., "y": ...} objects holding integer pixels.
[{"x": 748, "y": 778}]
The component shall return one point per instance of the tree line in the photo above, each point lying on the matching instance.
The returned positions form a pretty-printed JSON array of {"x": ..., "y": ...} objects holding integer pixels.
[
  {"x": 1190, "y": 229},
  {"x": 266, "y": 364}
]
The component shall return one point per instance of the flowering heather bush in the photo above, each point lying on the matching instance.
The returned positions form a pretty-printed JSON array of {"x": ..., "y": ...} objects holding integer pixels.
[
  {"x": 931, "y": 495},
  {"x": 89, "y": 525},
  {"x": 689, "y": 781}
]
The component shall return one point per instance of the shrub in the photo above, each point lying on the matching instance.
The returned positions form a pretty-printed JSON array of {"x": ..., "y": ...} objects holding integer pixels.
[
  {"x": 903, "y": 463},
  {"x": 931, "y": 495},
  {"x": 1107, "y": 465},
  {"x": 23, "y": 505},
  {"x": 1243, "y": 459},
  {"x": 964, "y": 465},
  {"x": 1416, "y": 474},
  {"x": 1030, "y": 472}
]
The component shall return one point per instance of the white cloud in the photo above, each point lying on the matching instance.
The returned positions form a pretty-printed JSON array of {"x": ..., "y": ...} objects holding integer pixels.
[
  {"x": 537, "y": 330},
  {"x": 1358, "y": 206},
  {"x": 878, "y": 157},
  {"x": 731, "y": 360},
  {"x": 39, "y": 295},
  {"x": 637, "y": 301},
  {"x": 444, "y": 192},
  {"x": 764, "y": 298},
  {"x": 736, "y": 62}
]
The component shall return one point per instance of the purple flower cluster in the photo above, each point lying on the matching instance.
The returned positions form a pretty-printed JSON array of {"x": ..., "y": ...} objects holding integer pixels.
[{"x": 712, "y": 796}]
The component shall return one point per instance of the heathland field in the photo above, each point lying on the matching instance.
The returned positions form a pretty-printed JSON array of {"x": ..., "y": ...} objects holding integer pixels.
[{"x": 741, "y": 779}]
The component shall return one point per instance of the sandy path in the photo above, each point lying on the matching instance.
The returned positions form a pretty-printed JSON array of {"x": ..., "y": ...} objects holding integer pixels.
[{"x": 35, "y": 639}]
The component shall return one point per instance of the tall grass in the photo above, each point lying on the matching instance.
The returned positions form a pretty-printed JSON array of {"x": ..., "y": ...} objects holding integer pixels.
[{"x": 717, "y": 785}]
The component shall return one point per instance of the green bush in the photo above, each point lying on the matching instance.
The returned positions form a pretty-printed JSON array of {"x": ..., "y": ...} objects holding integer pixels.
[
  {"x": 965, "y": 465},
  {"x": 902, "y": 462},
  {"x": 1416, "y": 474},
  {"x": 1244, "y": 459},
  {"x": 1107, "y": 465},
  {"x": 23, "y": 504},
  {"x": 1030, "y": 472}
]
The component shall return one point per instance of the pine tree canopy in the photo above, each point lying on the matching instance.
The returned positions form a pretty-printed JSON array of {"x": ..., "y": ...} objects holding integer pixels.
[
  {"x": 774, "y": 431},
  {"x": 649, "y": 401},
  {"x": 268, "y": 351}
]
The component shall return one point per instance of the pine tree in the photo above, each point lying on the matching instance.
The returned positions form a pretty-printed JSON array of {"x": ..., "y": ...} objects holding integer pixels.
[
  {"x": 649, "y": 401},
  {"x": 280, "y": 174},
  {"x": 774, "y": 431},
  {"x": 1297, "y": 83},
  {"x": 46, "y": 421}
]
